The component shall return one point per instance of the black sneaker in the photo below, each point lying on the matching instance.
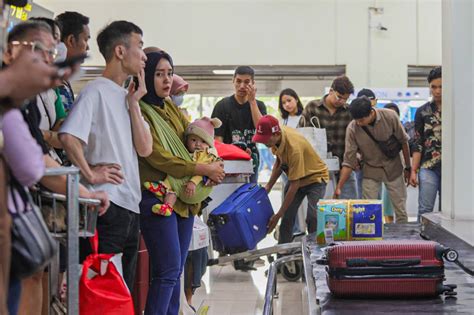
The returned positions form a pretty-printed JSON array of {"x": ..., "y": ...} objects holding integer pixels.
[{"x": 243, "y": 265}]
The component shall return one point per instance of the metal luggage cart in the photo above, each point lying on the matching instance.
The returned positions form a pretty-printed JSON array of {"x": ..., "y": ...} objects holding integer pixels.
[
  {"x": 80, "y": 216},
  {"x": 292, "y": 270},
  {"x": 237, "y": 174},
  {"x": 271, "y": 291}
]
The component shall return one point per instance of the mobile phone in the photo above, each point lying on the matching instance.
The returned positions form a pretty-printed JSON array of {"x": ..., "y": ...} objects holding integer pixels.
[
  {"x": 71, "y": 61},
  {"x": 135, "y": 80}
]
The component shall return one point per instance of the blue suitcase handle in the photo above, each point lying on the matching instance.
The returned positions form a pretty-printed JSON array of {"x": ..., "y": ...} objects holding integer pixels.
[{"x": 250, "y": 188}]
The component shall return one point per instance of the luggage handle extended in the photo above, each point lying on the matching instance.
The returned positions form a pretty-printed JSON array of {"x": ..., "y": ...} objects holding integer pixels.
[{"x": 361, "y": 262}]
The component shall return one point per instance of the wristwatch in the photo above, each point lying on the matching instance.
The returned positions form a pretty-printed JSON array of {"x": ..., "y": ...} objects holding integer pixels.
[{"x": 408, "y": 168}]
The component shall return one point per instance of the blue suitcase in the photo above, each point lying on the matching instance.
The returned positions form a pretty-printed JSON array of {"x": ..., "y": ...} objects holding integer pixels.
[{"x": 240, "y": 222}]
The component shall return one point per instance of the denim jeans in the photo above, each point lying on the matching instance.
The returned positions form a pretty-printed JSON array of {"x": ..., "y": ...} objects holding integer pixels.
[
  {"x": 266, "y": 158},
  {"x": 167, "y": 240},
  {"x": 359, "y": 176},
  {"x": 284, "y": 182},
  {"x": 14, "y": 293},
  {"x": 349, "y": 190},
  {"x": 313, "y": 192},
  {"x": 430, "y": 186}
]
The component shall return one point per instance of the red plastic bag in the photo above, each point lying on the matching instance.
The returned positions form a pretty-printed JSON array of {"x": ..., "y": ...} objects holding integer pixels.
[
  {"x": 102, "y": 289},
  {"x": 230, "y": 152}
]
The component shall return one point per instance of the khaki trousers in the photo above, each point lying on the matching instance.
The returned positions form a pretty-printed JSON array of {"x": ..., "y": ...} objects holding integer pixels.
[{"x": 397, "y": 191}]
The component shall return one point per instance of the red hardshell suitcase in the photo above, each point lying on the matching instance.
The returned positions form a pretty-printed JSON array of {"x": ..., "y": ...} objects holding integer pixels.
[
  {"x": 403, "y": 268},
  {"x": 142, "y": 278}
]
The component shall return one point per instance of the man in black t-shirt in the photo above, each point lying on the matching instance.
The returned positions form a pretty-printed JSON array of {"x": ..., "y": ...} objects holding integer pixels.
[{"x": 240, "y": 113}]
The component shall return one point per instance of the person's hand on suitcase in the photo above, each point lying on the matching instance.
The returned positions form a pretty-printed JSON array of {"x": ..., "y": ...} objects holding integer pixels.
[
  {"x": 190, "y": 189},
  {"x": 273, "y": 222}
]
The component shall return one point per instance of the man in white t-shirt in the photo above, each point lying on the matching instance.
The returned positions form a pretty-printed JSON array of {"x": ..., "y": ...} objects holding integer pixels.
[{"x": 103, "y": 134}]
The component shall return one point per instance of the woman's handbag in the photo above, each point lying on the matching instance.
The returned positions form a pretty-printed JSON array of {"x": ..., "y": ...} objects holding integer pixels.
[{"x": 32, "y": 245}]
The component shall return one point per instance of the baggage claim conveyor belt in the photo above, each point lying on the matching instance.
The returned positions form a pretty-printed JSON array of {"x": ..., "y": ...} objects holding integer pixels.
[{"x": 319, "y": 300}]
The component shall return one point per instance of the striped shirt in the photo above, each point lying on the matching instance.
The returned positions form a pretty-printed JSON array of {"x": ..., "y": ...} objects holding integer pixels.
[{"x": 334, "y": 124}]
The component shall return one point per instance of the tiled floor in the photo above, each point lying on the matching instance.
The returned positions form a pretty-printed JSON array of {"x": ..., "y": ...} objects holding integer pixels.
[{"x": 226, "y": 291}]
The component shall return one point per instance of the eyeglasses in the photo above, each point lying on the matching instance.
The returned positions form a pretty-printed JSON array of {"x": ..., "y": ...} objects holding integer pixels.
[
  {"x": 339, "y": 98},
  {"x": 37, "y": 47}
]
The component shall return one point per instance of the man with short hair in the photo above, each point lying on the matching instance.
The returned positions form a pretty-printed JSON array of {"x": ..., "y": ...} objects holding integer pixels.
[
  {"x": 75, "y": 35},
  {"x": 358, "y": 172},
  {"x": 103, "y": 134},
  {"x": 240, "y": 113},
  {"x": 381, "y": 125},
  {"x": 334, "y": 116},
  {"x": 427, "y": 147},
  {"x": 307, "y": 174},
  {"x": 370, "y": 95}
]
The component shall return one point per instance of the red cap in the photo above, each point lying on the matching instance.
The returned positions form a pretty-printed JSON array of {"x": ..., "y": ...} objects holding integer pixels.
[{"x": 266, "y": 127}]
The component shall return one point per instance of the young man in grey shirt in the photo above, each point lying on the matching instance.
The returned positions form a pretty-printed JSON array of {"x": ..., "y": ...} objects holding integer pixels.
[{"x": 103, "y": 134}]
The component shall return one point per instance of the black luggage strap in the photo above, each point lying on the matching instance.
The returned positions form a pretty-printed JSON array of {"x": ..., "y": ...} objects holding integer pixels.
[
  {"x": 361, "y": 262},
  {"x": 464, "y": 268},
  {"x": 370, "y": 135}
]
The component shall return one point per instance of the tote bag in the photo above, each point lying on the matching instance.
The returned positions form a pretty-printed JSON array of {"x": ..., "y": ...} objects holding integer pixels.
[
  {"x": 102, "y": 289},
  {"x": 316, "y": 136}
]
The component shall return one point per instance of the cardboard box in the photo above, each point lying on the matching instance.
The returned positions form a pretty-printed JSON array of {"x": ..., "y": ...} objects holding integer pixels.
[
  {"x": 200, "y": 237},
  {"x": 365, "y": 220},
  {"x": 332, "y": 220}
]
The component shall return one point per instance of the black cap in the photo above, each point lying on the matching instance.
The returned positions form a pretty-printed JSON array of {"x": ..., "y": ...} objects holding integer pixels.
[{"x": 367, "y": 93}]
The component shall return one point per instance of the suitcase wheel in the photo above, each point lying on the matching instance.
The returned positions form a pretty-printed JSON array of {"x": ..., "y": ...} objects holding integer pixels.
[
  {"x": 292, "y": 271},
  {"x": 221, "y": 220},
  {"x": 451, "y": 255}
]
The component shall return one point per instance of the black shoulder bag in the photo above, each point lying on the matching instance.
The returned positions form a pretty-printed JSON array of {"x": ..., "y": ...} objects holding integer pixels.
[
  {"x": 32, "y": 245},
  {"x": 390, "y": 148}
]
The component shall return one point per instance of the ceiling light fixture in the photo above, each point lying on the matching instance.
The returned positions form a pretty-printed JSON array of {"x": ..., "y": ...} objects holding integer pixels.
[{"x": 223, "y": 72}]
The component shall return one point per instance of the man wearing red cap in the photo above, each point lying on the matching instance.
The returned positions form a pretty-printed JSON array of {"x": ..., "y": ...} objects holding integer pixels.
[{"x": 306, "y": 171}]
